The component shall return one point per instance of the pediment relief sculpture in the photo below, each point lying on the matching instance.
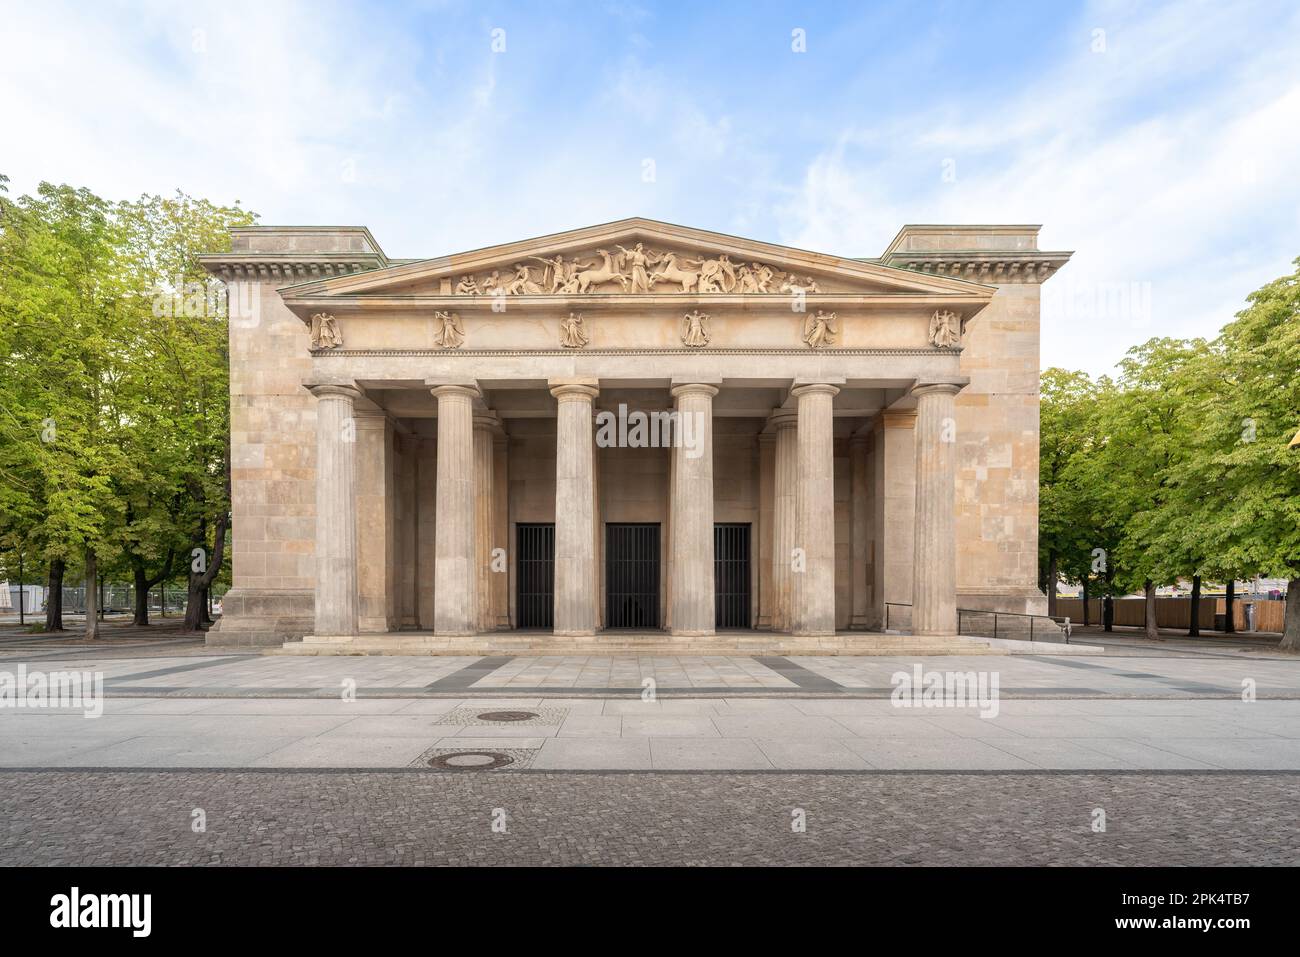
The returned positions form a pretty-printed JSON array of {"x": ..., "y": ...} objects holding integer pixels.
[
  {"x": 635, "y": 269},
  {"x": 819, "y": 330},
  {"x": 573, "y": 332},
  {"x": 695, "y": 330},
  {"x": 325, "y": 332},
  {"x": 946, "y": 328},
  {"x": 450, "y": 334}
]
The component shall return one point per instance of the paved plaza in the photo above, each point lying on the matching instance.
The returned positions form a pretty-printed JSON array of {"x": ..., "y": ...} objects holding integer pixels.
[
  {"x": 175, "y": 705},
  {"x": 314, "y": 817},
  {"x": 664, "y": 760}
]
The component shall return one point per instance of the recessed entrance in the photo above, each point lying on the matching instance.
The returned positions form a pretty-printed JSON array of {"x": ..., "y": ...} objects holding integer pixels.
[
  {"x": 535, "y": 576},
  {"x": 731, "y": 574},
  {"x": 631, "y": 575}
]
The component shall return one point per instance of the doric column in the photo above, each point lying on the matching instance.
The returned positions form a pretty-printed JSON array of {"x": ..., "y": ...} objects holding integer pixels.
[
  {"x": 860, "y": 531},
  {"x": 785, "y": 516},
  {"x": 934, "y": 571},
  {"x": 575, "y": 515},
  {"x": 501, "y": 518},
  {"x": 455, "y": 580},
  {"x": 814, "y": 587},
  {"x": 376, "y": 539},
  {"x": 893, "y": 466},
  {"x": 336, "y": 518},
  {"x": 766, "y": 488},
  {"x": 691, "y": 563},
  {"x": 486, "y": 429}
]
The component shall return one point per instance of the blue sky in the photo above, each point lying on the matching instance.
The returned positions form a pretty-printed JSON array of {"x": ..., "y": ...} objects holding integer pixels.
[{"x": 1161, "y": 142}]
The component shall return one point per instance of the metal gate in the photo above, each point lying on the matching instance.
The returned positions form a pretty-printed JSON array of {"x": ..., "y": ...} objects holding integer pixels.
[
  {"x": 535, "y": 576},
  {"x": 731, "y": 574},
  {"x": 631, "y": 575}
]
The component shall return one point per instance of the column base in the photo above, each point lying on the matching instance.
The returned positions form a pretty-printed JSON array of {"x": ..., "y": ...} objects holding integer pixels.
[
  {"x": 581, "y": 633},
  {"x": 676, "y": 633}
]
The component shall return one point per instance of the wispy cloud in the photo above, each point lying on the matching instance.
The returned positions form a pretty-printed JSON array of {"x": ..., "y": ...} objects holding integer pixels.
[{"x": 1166, "y": 159}]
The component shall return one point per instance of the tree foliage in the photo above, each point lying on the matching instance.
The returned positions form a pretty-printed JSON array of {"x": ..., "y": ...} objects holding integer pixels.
[{"x": 1180, "y": 467}]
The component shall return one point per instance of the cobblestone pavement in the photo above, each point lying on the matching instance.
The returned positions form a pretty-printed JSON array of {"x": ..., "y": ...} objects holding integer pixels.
[{"x": 274, "y": 818}]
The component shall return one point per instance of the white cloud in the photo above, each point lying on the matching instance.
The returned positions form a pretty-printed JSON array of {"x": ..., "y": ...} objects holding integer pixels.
[{"x": 1192, "y": 197}]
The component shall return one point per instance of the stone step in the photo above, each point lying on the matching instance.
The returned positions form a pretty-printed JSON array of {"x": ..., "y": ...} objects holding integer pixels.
[{"x": 852, "y": 644}]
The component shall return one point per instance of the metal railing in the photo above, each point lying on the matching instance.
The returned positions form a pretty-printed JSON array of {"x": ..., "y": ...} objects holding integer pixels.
[{"x": 982, "y": 623}]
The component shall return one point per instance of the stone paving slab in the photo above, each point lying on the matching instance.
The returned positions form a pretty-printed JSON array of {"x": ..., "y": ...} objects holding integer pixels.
[
  {"x": 89, "y": 818},
  {"x": 1154, "y": 734}
]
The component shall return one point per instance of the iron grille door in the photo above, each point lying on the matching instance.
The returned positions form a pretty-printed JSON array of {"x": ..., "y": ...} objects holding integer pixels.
[
  {"x": 731, "y": 574},
  {"x": 631, "y": 575},
  {"x": 535, "y": 576}
]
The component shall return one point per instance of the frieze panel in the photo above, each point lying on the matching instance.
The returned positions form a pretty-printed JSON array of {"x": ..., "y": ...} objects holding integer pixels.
[{"x": 636, "y": 269}]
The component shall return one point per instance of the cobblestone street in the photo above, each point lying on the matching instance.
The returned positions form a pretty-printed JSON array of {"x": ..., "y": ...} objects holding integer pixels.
[{"x": 414, "y": 817}]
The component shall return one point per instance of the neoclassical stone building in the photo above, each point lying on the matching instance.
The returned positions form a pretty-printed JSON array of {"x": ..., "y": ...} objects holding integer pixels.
[{"x": 629, "y": 428}]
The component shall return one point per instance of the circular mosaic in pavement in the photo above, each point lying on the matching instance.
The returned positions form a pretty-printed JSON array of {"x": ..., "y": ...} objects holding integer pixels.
[
  {"x": 470, "y": 761},
  {"x": 507, "y": 715}
]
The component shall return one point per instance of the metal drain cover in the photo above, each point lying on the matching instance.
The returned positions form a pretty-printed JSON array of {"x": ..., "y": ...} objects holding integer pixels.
[
  {"x": 507, "y": 715},
  {"x": 470, "y": 761}
]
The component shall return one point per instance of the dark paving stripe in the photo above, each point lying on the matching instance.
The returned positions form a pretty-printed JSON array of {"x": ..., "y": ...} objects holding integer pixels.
[
  {"x": 799, "y": 675},
  {"x": 475, "y": 671},
  {"x": 176, "y": 669}
]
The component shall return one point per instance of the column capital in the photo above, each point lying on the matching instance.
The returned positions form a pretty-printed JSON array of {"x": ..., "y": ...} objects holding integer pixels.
[
  {"x": 573, "y": 391},
  {"x": 487, "y": 422},
  {"x": 814, "y": 388},
  {"x": 783, "y": 419},
  {"x": 694, "y": 388},
  {"x": 467, "y": 390},
  {"x": 942, "y": 388},
  {"x": 323, "y": 390}
]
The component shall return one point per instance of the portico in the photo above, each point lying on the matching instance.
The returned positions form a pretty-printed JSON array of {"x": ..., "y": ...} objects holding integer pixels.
[{"x": 698, "y": 434}]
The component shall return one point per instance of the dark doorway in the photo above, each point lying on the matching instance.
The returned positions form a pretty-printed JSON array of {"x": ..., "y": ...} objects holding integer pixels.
[
  {"x": 535, "y": 576},
  {"x": 731, "y": 574},
  {"x": 631, "y": 575}
]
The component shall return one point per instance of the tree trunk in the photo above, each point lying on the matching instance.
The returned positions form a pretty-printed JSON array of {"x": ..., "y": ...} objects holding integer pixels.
[
  {"x": 1108, "y": 603},
  {"x": 1194, "y": 629},
  {"x": 141, "y": 617},
  {"x": 1152, "y": 628},
  {"x": 1053, "y": 576},
  {"x": 54, "y": 596},
  {"x": 1291, "y": 625},
  {"x": 1229, "y": 626},
  {"x": 1087, "y": 616},
  {"x": 92, "y": 597}
]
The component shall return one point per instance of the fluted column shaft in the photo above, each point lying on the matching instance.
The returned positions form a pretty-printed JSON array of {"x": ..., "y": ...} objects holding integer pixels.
[
  {"x": 575, "y": 513},
  {"x": 455, "y": 579},
  {"x": 860, "y": 527},
  {"x": 934, "y": 570},
  {"x": 814, "y": 587},
  {"x": 693, "y": 611},
  {"x": 485, "y": 430},
  {"x": 336, "y": 519},
  {"x": 785, "y": 516}
]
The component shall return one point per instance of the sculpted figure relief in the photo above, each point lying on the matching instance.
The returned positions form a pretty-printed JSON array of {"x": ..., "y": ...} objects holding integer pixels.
[
  {"x": 325, "y": 332},
  {"x": 573, "y": 332},
  {"x": 636, "y": 270},
  {"x": 819, "y": 330},
  {"x": 695, "y": 330},
  {"x": 669, "y": 271},
  {"x": 945, "y": 329},
  {"x": 450, "y": 333}
]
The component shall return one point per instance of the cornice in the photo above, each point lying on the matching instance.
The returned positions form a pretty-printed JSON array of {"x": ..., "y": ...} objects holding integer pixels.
[
  {"x": 284, "y": 267},
  {"x": 989, "y": 267}
]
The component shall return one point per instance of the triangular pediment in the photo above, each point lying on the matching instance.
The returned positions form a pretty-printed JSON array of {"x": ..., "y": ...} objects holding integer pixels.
[{"x": 636, "y": 256}]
